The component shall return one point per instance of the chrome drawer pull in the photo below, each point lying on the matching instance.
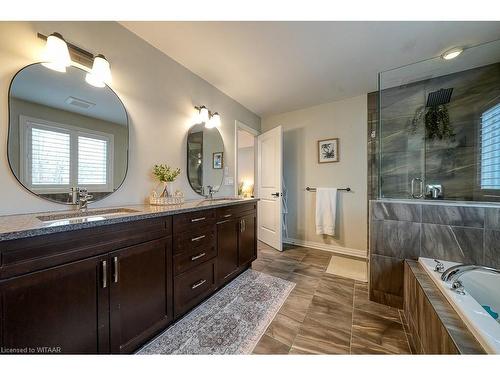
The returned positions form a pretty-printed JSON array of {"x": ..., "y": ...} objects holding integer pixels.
[
  {"x": 228, "y": 215},
  {"x": 104, "y": 274},
  {"x": 197, "y": 238},
  {"x": 197, "y": 219},
  {"x": 193, "y": 258},
  {"x": 199, "y": 283},
  {"x": 115, "y": 269}
]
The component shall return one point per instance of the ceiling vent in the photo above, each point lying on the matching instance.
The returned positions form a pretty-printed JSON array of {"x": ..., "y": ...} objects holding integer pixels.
[{"x": 80, "y": 103}]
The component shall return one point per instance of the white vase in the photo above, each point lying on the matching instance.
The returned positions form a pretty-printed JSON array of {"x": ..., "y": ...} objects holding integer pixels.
[{"x": 168, "y": 190}]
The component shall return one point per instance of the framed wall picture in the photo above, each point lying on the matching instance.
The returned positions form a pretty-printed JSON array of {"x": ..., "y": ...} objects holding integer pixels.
[
  {"x": 328, "y": 150},
  {"x": 218, "y": 160}
]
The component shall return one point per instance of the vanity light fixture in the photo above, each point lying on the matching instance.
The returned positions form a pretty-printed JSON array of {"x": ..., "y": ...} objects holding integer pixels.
[
  {"x": 452, "y": 53},
  {"x": 214, "y": 121},
  {"x": 56, "y": 53},
  {"x": 60, "y": 54},
  {"x": 204, "y": 116},
  {"x": 100, "y": 75}
]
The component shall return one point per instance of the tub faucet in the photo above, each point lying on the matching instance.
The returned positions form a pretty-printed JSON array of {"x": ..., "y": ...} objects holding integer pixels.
[{"x": 453, "y": 273}]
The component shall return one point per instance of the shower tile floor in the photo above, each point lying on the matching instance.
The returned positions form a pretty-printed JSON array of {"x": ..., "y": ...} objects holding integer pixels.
[{"x": 326, "y": 314}]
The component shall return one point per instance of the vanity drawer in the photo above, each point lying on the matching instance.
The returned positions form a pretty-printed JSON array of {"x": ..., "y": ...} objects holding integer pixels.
[
  {"x": 193, "y": 286},
  {"x": 192, "y": 220},
  {"x": 200, "y": 238},
  {"x": 236, "y": 210},
  {"x": 189, "y": 259},
  {"x": 39, "y": 252}
]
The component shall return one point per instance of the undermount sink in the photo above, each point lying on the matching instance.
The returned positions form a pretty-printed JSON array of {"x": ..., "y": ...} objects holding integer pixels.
[
  {"x": 224, "y": 199},
  {"x": 81, "y": 216}
]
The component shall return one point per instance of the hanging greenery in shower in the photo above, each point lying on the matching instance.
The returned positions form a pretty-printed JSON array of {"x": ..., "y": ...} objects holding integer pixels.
[
  {"x": 436, "y": 120},
  {"x": 437, "y": 123}
]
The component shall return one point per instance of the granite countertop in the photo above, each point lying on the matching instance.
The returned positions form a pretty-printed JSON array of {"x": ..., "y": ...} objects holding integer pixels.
[{"x": 28, "y": 225}]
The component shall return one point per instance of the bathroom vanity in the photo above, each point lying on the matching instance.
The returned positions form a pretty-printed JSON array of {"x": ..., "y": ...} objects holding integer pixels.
[{"x": 110, "y": 285}]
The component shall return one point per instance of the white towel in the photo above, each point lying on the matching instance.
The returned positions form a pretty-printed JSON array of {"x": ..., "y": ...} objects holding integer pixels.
[{"x": 326, "y": 209}]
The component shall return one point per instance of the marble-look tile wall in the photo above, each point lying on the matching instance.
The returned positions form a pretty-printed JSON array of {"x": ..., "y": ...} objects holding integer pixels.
[
  {"x": 407, "y": 153},
  {"x": 398, "y": 231}
]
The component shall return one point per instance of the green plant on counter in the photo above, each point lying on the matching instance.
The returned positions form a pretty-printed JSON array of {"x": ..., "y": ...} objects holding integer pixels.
[{"x": 165, "y": 173}]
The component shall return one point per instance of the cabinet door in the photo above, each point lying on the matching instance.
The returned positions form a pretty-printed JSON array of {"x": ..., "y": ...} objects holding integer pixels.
[
  {"x": 141, "y": 293},
  {"x": 247, "y": 244},
  {"x": 227, "y": 249},
  {"x": 62, "y": 309}
]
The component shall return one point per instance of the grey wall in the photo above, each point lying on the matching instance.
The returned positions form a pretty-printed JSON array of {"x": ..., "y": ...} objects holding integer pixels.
[
  {"x": 346, "y": 120},
  {"x": 445, "y": 231},
  {"x": 159, "y": 95}
]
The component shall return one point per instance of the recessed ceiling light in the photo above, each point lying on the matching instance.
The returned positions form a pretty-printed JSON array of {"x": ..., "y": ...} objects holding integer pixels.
[{"x": 452, "y": 53}]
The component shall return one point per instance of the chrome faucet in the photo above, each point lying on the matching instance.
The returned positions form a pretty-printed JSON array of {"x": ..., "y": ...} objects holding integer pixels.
[
  {"x": 452, "y": 275},
  {"x": 434, "y": 191},
  {"x": 211, "y": 191},
  {"x": 80, "y": 198}
]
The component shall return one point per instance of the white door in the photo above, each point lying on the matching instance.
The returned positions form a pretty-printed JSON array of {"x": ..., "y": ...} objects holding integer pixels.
[{"x": 270, "y": 172}]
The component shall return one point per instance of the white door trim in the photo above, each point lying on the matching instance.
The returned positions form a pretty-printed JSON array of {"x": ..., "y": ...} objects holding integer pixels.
[{"x": 238, "y": 125}]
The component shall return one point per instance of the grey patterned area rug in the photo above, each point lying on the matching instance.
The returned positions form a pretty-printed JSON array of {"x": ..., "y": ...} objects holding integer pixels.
[{"x": 232, "y": 321}]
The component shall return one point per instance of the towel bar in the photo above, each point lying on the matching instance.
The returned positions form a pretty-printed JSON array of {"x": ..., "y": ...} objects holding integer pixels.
[{"x": 314, "y": 189}]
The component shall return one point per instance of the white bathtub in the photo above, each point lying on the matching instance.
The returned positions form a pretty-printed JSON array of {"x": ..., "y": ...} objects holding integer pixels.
[{"x": 482, "y": 289}]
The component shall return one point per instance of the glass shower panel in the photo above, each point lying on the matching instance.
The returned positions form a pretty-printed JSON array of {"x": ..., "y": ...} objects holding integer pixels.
[{"x": 439, "y": 134}]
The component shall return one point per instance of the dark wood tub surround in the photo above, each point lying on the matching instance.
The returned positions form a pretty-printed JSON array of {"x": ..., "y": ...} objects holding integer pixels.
[
  {"x": 434, "y": 326},
  {"x": 111, "y": 288}
]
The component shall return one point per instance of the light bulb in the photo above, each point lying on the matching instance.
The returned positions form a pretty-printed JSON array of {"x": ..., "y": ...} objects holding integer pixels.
[
  {"x": 100, "y": 73},
  {"x": 204, "y": 116},
  {"x": 215, "y": 120},
  {"x": 56, "y": 53},
  {"x": 452, "y": 53}
]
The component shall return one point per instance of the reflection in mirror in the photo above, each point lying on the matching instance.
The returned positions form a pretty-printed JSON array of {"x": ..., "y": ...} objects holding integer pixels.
[
  {"x": 65, "y": 133},
  {"x": 205, "y": 159}
]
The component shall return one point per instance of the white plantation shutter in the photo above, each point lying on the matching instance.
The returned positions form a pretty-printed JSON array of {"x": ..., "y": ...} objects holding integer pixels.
[
  {"x": 58, "y": 156},
  {"x": 490, "y": 149},
  {"x": 92, "y": 161},
  {"x": 50, "y": 157}
]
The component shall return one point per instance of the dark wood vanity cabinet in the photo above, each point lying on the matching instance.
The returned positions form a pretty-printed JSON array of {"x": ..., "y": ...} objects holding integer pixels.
[
  {"x": 247, "y": 239},
  {"x": 64, "y": 308},
  {"x": 227, "y": 249},
  {"x": 236, "y": 239},
  {"x": 112, "y": 302},
  {"x": 140, "y": 293},
  {"x": 111, "y": 288}
]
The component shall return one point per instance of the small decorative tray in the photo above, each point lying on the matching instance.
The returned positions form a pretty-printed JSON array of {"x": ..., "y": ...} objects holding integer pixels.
[{"x": 166, "y": 201}]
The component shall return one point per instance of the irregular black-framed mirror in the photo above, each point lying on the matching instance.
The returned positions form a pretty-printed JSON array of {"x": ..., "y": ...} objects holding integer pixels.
[
  {"x": 205, "y": 159},
  {"x": 65, "y": 133}
]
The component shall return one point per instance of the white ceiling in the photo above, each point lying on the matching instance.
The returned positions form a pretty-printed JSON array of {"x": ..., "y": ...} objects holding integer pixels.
[{"x": 274, "y": 67}]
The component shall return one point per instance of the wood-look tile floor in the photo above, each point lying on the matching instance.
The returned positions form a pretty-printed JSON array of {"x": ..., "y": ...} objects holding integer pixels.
[{"x": 326, "y": 314}]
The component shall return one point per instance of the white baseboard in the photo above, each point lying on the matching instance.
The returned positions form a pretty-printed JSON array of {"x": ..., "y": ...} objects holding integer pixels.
[{"x": 326, "y": 247}]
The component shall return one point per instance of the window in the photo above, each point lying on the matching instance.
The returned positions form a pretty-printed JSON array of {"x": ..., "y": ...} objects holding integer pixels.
[
  {"x": 490, "y": 149},
  {"x": 50, "y": 157},
  {"x": 57, "y": 157},
  {"x": 92, "y": 161}
]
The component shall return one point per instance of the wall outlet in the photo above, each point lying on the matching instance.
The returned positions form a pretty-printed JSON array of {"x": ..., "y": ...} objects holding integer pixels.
[
  {"x": 226, "y": 171},
  {"x": 228, "y": 181}
]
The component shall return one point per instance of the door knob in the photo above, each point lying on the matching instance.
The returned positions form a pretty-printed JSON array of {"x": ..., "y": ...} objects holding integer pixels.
[{"x": 276, "y": 194}]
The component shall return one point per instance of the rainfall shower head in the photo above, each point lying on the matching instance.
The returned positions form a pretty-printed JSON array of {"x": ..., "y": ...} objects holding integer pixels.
[{"x": 439, "y": 97}]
